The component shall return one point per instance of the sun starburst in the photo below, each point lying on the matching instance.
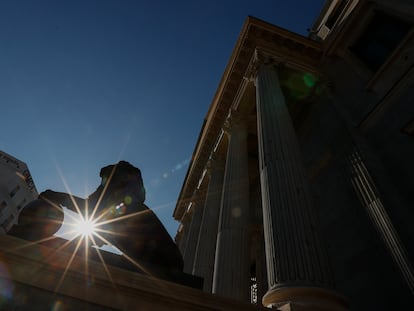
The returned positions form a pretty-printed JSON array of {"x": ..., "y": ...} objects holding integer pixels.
[
  {"x": 85, "y": 227},
  {"x": 91, "y": 229}
]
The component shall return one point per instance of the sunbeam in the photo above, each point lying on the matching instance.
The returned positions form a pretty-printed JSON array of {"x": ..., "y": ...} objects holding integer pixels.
[
  {"x": 105, "y": 222},
  {"x": 75, "y": 204},
  {"x": 68, "y": 265},
  {"x": 34, "y": 242},
  {"x": 90, "y": 226},
  {"x": 98, "y": 251},
  {"x": 135, "y": 263}
]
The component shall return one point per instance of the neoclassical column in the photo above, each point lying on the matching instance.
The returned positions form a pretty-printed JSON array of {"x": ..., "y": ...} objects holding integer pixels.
[
  {"x": 197, "y": 209},
  {"x": 183, "y": 234},
  {"x": 231, "y": 268},
  {"x": 206, "y": 246},
  {"x": 297, "y": 265}
]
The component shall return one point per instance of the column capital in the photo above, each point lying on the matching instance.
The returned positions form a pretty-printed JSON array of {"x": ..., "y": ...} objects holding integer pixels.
[
  {"x": 185, "y": 220},
  {"x": 233, "y": 120},
  {"x": 215, "y": 161},
  {"x": 198, "y": 194},
  {"x": 262, "y": 58},
  {"x": 197, "y": 197}
]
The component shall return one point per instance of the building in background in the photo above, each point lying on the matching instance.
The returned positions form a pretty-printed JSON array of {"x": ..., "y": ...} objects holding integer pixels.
[
  {"x": 299, "y": 192},
  {"x": 16, "y": 190}
]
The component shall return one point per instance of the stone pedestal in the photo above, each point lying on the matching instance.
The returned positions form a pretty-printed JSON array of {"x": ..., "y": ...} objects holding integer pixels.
[
  {"x": 206, "y": 247},
  {"x": 231, "y": 269},
  {"x": 297, "y": 266},
  {"x": 35, "y": 278}
]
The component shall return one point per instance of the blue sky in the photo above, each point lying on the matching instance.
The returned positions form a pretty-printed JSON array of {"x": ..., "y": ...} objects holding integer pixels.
[{"x": 84, "y": 84}]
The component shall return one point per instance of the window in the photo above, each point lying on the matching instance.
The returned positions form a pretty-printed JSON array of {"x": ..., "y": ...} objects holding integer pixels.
[{"x": 380, "y": 38}]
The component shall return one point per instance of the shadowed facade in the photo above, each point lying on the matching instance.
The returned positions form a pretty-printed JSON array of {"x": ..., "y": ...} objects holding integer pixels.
[{"x": 298, "y": 188}]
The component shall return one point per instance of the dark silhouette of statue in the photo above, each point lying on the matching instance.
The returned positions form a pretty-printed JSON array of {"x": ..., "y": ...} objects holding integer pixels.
[{"x": 136, "y": 230}]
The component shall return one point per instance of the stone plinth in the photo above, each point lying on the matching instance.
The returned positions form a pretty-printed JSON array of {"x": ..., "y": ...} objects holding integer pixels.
[{"x": 36, "y": 277}]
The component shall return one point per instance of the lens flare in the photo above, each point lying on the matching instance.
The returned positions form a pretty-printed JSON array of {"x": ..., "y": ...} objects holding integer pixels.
[
  {"x": 88, "y": 230},
  {"x": 85, "y": 227}
]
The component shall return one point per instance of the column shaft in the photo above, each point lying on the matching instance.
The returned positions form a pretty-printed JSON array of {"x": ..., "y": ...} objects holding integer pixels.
[
  {"x": 183, "y": 234},
  {"x": 193, "y": 232},
  {"x": 294, "y": 255},
  {"x": 231, "y": 269},
  {"x": 206, "y": 247}
]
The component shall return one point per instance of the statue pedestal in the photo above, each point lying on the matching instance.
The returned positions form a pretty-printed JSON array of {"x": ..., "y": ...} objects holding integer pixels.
[{"x": 37, "y": 277}]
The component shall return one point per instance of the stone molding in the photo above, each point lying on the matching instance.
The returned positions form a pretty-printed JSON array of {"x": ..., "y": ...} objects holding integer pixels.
[
  {"x": 234, "y": 120},
  {"x": 305, "y": 299},
  {"x": 265, "y": 57},
  {"x": 198, "y": 194},
  {"x": 215, "y": 161}
]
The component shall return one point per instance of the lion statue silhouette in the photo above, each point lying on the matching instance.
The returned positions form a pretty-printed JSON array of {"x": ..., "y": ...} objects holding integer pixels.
[{"x": 119, "y": 200}]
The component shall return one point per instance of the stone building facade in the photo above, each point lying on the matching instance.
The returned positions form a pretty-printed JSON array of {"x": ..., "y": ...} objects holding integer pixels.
[
  {"x": 16, "y": 190},
  {"x": 299, "y": 189}
]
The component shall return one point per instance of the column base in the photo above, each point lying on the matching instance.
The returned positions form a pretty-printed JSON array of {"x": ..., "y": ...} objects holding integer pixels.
[{"x": 304, "y": 298}]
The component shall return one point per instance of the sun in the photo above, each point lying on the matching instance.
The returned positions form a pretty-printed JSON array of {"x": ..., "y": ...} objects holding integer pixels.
[{"x": 85, "y": 227}]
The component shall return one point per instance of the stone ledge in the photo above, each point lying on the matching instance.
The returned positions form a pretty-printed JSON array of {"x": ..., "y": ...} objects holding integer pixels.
[{"x": 40, "y": 274}]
